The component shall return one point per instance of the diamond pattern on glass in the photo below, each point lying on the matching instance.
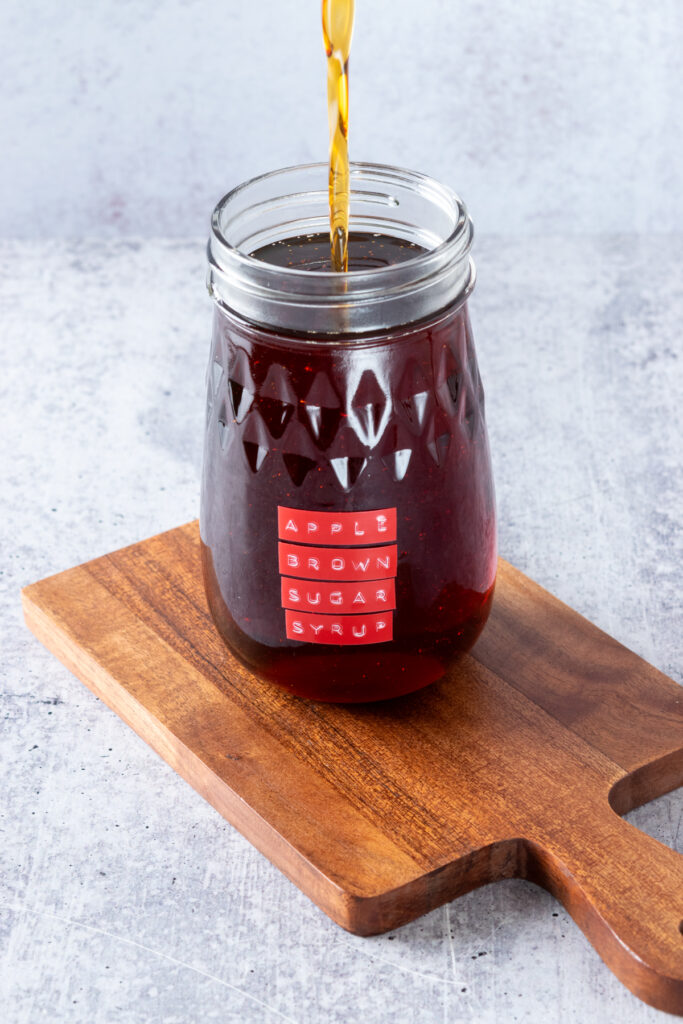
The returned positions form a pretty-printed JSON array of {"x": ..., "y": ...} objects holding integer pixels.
[
  {"x": 347, "y": 456},
  {"x": 240, "y": 385},
  {"x": 276, "y": 400},
  {"x": 223, "y": 434},
  {"x": 413, "y": 400},
  {"x": 302, "y": 424},
  {"x": 216, "y": 374},
  {"x": 298, "y": 453},
  {"x": 449, "y": 381},
  {"x": 347, "y": 469},
  {"x": 438, "y": 437},
  {"x": 396, "y": 450},
  {"x": 255, "y": 441},
  {"x": 369, "y": 411},
  {"x": 322, "y": 411},
  {"x": 397, "y": 462}
]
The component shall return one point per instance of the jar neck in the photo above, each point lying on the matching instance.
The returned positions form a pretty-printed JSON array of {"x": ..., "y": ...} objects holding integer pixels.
[{"x": 384, "y": 200}]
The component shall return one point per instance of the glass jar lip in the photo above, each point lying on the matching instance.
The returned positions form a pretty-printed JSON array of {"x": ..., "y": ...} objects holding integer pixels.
[
  {"x": 384, "y": 200},
  {"x": 423, "y": 182}
]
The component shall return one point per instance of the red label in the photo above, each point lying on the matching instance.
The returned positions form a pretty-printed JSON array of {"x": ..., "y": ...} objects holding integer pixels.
[
  {"x": 339, "y": 629},
  {"x": 336, "y": 598},
  {"x": 338, "y": 574},
  {"x": 337, "y": 563},
  {"x": 301, "y": 527}
]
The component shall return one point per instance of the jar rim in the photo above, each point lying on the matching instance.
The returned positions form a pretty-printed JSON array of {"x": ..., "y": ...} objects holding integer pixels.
[{"x": 327, "y": 301}]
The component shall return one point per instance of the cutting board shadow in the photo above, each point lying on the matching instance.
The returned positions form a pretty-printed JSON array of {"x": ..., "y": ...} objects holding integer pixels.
[{"x": 519, "y": 764}]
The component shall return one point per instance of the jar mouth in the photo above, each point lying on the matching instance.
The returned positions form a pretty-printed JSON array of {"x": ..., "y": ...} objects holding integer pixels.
[{"x": 383, "y": 200}]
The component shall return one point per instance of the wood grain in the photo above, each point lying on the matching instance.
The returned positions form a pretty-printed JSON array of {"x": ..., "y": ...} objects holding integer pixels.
[{"x": 514, "y": 766}]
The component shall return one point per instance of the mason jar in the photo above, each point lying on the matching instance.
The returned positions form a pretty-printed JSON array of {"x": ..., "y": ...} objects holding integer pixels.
[{"x": 347, "y": 513}]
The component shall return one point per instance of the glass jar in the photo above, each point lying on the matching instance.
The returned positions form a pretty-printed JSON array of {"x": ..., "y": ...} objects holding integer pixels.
[{"x": 347, "y": 513}]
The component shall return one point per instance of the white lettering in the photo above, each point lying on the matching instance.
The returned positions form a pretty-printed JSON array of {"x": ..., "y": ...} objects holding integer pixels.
[
  {"x": 291, "y": 526},
  {"x": 362, "y": 632},
  {"x": 297, "y": 627},
  {"x": 316, "y": 629},
  {"x": 294, "y": 594},
  {"x": 314, "y": 563},
  {"x": 380, "y": 624},
  {"x": 363, "y": 566},
  {"x": 310, "y": 597},
  {"x": 381, "y": 524},
  {"x": 336, "y": 528},
  {"x": 383, "y": 563},
  {"x": 338, "y": 564},
  {"x": 336, "y": 628},
  {"x": 293, "y": 561},
  {"x": 336, "y": 597},
  {"x": 358, "y": 599},
  {"x": 381, "y": 595},
  {"x": 357, "y": 530},
  {"x": 312, "y": 527}
]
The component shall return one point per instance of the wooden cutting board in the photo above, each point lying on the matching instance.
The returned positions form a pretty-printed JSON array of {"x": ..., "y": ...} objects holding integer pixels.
[{"x": 516, "y": 765}]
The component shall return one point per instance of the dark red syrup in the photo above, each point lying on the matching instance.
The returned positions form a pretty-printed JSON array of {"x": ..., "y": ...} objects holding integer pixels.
[{"x": 347, "y": 425}]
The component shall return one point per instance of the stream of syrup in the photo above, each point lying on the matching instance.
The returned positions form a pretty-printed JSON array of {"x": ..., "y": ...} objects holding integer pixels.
[{"x": 337, "y": 32}]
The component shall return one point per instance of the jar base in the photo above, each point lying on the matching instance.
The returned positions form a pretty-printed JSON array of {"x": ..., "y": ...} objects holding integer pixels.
[
  {"x": 345, "y": 675},
  {"x": 400, "y": 674}
]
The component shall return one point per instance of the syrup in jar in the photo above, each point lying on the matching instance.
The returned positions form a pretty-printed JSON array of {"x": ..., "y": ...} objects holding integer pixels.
[{"x": 347, "y": 518}]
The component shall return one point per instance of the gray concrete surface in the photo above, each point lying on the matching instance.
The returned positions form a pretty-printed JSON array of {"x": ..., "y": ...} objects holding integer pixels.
[
  {"x": 124, "y": 898},
  {"x": 133, "y": 118}
]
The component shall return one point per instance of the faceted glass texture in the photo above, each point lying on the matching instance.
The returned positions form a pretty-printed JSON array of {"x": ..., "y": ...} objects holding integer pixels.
[{"x": 392, "y": 421}]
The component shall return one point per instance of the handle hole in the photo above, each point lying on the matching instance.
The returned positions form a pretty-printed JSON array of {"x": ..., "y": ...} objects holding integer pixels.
[
  {"x": 680, "y": 927},
  {"x": 658, "y": 817}
]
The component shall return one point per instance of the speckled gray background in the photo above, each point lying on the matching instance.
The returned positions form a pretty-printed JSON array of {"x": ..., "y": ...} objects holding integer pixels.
[
  {"x": 546, "y": 115},
  {"x": 124, "y": 898}
]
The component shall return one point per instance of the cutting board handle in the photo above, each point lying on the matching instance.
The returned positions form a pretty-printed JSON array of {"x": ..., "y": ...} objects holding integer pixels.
[{"x": 625, "y": 891}]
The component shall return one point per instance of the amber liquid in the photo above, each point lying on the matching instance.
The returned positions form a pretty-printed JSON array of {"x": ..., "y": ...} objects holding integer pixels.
[
  {"x": 337, "y": 32},
  {"x": 396, "y": 422}
]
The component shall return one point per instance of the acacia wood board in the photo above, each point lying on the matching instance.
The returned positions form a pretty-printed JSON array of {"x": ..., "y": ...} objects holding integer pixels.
[{"x": 517, "y": 764}]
